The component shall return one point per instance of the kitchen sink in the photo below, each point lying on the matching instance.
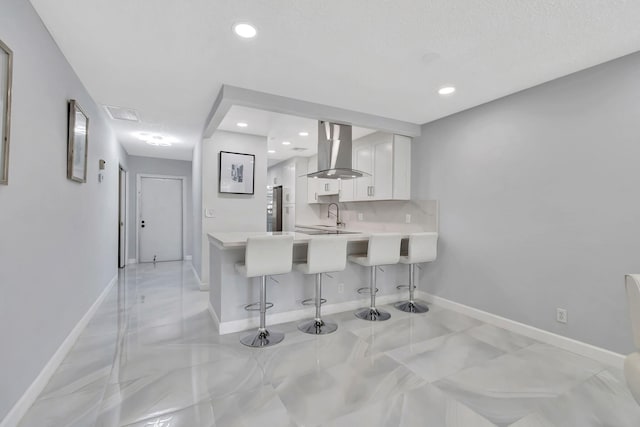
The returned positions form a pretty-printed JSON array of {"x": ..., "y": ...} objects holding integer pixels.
[{"x": 320, "y": 232}]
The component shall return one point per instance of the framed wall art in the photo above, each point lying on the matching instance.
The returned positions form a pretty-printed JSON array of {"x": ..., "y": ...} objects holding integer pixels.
[
  {"x": 6, "y": 70},
  {"x": 236, "y": 173},
  {"x": 77, "y": 144}
]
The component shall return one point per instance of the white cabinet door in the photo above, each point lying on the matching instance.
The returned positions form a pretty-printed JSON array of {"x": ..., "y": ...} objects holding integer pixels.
[
  {"x": 363, "y": 161},
  {"x": 289, "y": 217},
  {"x": 382, "y": 170},
  {"x": 328, "y": 187},
  {"x": 289, "y": 182},
  {"x": 347, "y": 190},
  {"x": 312, "y": 190}
]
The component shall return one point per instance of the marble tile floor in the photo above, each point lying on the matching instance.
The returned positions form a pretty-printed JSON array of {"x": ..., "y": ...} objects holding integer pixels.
[{"x": 151, "y": 358}]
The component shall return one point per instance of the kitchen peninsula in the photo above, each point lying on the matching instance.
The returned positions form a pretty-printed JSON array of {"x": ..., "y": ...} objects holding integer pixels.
[{"x": 229, "y": 292}]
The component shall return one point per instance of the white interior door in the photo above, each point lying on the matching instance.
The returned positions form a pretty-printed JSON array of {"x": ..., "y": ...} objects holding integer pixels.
[
  {"x": 122, "y": 218},
  {"x": 160, "y": 226}
]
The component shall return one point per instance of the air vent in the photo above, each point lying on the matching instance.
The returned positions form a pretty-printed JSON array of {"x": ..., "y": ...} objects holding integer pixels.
[
  {"x": 299, "y": 149},
  {"x": 119, "y": 113}
]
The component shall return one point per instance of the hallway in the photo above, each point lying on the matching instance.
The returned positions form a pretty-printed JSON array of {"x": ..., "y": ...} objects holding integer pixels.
[{"x": 151, "y": 357}]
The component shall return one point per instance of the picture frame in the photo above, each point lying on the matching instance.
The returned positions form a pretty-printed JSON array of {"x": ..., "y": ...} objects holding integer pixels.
[
  {"x": 236, "y": 173},
  {"x": 77, "y": 143},
  {"x": 6, "y": 79}
]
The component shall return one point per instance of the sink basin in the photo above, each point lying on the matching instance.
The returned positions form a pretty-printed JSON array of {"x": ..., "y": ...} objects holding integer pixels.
[{"x": 325, "y": 232}]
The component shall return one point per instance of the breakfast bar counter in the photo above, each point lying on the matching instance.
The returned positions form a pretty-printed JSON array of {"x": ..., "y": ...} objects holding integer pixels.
[{"x": 229, "y": 292}]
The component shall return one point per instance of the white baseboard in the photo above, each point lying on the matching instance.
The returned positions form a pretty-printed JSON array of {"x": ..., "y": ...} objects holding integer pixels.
[
  {"x": 214, "y": 316},
  {"x": 132, "y": 261},
  {"x": 188, "y": 257},
  {"x": 602, "y": 355},
  {"x": 31, "y": 394},
  {"x": 203, "y": 286},
  {"x": 303, "y": 313}
]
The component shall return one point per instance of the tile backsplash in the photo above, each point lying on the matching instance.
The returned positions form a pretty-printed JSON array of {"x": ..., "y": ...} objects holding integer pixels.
[{"x": 388, "y": 215}]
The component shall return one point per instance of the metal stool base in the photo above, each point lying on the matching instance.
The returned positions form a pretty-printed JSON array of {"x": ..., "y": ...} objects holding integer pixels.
[
  {"x": 317, "y": 327},
  {"x": 372, "y": 314},
  {"x": 262, "y": 338},
  {"x": 411, "y": 307}
]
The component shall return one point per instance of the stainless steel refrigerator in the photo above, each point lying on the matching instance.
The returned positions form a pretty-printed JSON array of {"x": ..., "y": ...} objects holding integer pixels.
[{"x": 274, "y": 222}]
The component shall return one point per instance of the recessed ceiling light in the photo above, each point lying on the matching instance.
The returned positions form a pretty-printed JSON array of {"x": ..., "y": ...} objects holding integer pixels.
[
  {"x": 304, "y": 134},
  {"x": 242, "y": 124},
  {"x": 271, "y": 151},
  {"x": 447, "y": 90},
  {"x": 286, "y": 143},
  {"x": 244, "y": 30}
]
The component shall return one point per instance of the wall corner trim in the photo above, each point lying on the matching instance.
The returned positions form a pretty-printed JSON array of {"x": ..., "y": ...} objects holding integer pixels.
[
  {"x": 602, "y": 355},
  {"x": 204, "y": 286},
  {"x": 37, "y": 386}
]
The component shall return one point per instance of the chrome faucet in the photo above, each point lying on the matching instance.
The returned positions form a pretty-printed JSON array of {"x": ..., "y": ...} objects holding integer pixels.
[{"x": 337, "y": 214}]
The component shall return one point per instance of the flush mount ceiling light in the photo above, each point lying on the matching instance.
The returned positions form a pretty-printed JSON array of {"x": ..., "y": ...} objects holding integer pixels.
[
  {"x": 244, "y": 30},
  {"x": 156, "y": 140},
  {"x": 304, "y": 134},
  {"x": 286, "y": 143},
  {"x": 446, "y": 90},
  {"x": 242, "y": 124},
  {"x": 271, "y": 151}
]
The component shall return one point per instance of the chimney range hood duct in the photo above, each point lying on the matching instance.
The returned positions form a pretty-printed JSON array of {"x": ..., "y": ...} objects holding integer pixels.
[{"x": 334, "y": 152}]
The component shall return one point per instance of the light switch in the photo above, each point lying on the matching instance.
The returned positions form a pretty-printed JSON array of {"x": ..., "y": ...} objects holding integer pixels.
[
  {"x": 209, "y": 213},
  {"x": 407, "y": 218},
  {"x": 360, "y": 216}
]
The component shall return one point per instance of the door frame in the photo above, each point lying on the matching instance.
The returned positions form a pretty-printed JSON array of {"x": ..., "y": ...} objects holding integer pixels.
[
  {"x": 139, "y": 177},
  {"x": 123, "y": 188}
]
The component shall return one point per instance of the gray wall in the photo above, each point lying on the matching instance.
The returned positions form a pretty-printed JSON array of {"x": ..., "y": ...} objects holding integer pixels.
[
  {"x": 233, "y": 212},
  {"x": 540, "y": 203},
  {"x": 197, "y": 213},
  {"x": 58, "y": 238},
  {"x": 155, "y": 166}
]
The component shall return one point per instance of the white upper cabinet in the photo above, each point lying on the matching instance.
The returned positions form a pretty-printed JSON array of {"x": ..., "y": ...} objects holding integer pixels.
[
  {"x": 387, "y": 158},
  {"x": 317, "y": 187}
]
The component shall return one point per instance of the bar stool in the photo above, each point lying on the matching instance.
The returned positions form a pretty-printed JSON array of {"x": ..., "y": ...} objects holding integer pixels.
[
  {"x": 423, "y": 247},
  {"x": 383, "y": 249},
  {"x": 325, "y": 254},
  {"x": 265, "y": 256}
]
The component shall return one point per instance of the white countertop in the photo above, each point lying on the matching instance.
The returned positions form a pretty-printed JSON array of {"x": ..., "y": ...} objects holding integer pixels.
[{"x": 235, "y": 239}]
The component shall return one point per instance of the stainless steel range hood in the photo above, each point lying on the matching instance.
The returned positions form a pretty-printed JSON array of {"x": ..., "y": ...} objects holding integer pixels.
[{"x": 334, "y": 152}]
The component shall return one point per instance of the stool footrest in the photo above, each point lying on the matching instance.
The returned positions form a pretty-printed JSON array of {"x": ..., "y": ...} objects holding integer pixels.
[
  {"x": 252, "y": 307},
  {"x": 312, "y": 301},
  {"x": 405, "y": 287},
  {"x": 366, "y": 290}
]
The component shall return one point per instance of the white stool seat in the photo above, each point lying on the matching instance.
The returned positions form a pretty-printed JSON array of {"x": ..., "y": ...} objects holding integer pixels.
[
  {"x": 383, "y": 249},
  {"x": 325, "y": 254},
  {"x": 423, "y": 247},
  {"x": 265, "y": 256},
  {"x": 632, "y": 361}
]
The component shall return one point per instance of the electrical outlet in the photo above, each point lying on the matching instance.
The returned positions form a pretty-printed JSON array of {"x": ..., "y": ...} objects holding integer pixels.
[
  {"x": 407, "y": 218},
  {"x": 561, "y": 315},
  {"x": 340, "y": 288},
  {"x": 360, "y": 216}
]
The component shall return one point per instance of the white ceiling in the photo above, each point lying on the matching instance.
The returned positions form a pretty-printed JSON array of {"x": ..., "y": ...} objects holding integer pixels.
[
  {"x": 278, "y": 128},
  {"x": 167, "y": 59}
]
